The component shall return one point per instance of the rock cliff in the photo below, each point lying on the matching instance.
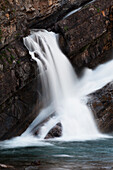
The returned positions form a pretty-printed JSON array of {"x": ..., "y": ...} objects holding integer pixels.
[
  {"x": 101, "y": 103},
  {"x": 86, "y": 35}
]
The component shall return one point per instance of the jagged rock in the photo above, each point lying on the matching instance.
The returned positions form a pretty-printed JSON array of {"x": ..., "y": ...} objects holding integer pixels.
[
  {"x": 56, "y": 131},
  {"x": 17, "y": 16},
  {"x": 87, "y": 34},
  {"x": 101, "y": 103},
  {"x": 17, "y": 102},
  {"x": 36, "y": 163}
]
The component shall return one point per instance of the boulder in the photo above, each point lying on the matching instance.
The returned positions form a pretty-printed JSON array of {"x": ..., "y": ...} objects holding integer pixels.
[
  {"x": 56, "y": 131},
  {"x": 101, "y": 104}
]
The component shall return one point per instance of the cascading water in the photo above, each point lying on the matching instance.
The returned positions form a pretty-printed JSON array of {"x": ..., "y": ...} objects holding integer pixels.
[
  {"x": 59, "y": 84},
  {"x": 64, "y": 95}
]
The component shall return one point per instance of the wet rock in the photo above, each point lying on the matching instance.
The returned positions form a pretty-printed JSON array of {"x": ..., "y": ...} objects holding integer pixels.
[
  {"x": 37, "y": 128},
  {"x": 101, "y": 103},
  {"x": 17, "y": 102},
  {"x": 3, "y": 166},
  {"x": 17, "y": 112},
  {"x": 56, "y": 131},
  {"x": 36, "y": 163},
  {"x": 87, "y": 34}
]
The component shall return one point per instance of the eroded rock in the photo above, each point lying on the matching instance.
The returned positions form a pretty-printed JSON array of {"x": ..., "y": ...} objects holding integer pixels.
[
  {"x": 101, "y": 103},
  {"x": 17, "y": 16},
  {"x": 56, "y": 131},
  {"x": 87, "y": 34}
]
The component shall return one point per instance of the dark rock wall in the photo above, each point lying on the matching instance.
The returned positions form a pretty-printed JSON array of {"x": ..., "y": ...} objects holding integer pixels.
[
  {"x": 86, "y": 35},
  {"x": 19, "y": 90},
  {"x": 101, "y": 103},
  {"x": 16, "y": 16}
]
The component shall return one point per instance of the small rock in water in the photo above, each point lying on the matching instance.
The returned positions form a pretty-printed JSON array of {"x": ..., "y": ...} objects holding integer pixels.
[
  {"x": 3, "y": 166},
  {"x": 35, "y": 163},
  {"x": 56, "y": 131}
]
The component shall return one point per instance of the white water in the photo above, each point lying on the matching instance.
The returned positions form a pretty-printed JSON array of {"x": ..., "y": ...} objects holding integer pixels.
[
  {"x": 65, "y": 90},
  {"x": 63, "y": 93},
  {"x": 78, "y": 9}
]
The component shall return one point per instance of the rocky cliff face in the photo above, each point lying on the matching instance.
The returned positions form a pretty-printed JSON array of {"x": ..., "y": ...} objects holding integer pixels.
[
  {"x": 86, "y": 35},
  {"x": 101, "y": 103},
  {"x": 16, "y": 16}
]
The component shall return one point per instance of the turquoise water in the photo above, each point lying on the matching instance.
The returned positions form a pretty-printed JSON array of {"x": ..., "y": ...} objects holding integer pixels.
[{"x": 97, "y": 154}]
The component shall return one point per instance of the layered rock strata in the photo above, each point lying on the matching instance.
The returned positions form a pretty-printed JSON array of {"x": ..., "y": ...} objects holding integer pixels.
[
  {"x": 87, "y": 34},
  {"x": 16, "y": 16},
  {"x": 101, "y": 103}
]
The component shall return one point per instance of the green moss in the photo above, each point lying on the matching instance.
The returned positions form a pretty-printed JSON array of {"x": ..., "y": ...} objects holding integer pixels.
[
  {"x": 65, "y": 28},
  {"x": 5, "y": 57},
  {"x": 98, "y": 9},
  {"x": 3, "y": 53},
  {"x": 3, "y": 7},
  {"x": 18, "y": 61},
  {"x": 17, "y": 35},
  {"x": 9, "y": 61},
  {"x": 12, "y": 57},
  {"x": 6, "y": 2},
  {"x": 13, "y": 10},
  {"x": 8, "y": 49}
]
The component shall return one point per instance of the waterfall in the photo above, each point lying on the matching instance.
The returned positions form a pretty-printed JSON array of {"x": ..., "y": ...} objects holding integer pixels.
[
  {"x": 60, "y": 90},
  {"x": 64, "y": 95},
  {"x": 78, "y": 9}
]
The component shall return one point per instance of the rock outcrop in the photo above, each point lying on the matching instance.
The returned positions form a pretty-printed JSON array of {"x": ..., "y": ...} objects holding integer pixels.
[
  {"x": 101, "y": 103},
  {"x": 17, "y": 16},
  {"x": 87, "y": 34},
  {"x": 56, "y": 131}
]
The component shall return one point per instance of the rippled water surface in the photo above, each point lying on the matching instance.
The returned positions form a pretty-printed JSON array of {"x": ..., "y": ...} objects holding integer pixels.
[{"x": 96, "y": 154}]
